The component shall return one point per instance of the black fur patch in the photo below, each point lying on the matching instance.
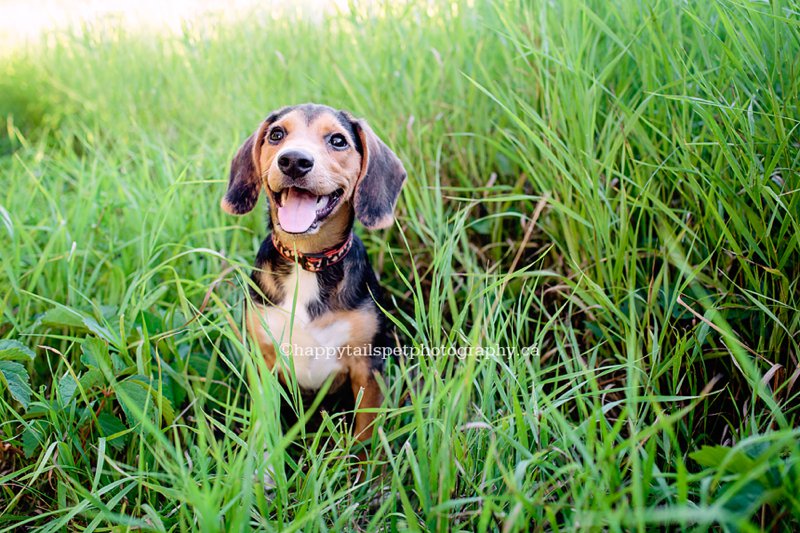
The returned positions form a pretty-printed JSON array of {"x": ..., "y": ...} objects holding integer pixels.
[
  {"x": 347, "y": 285},
  {"x": 277, "y": 115},
  {"x": 243, "y": 182},
  {"x": 351, "y": 128},
  {"x": 313, "y": 111},
  {"x": 379, "y": 187},
  {"x": 269, "y": 262}
]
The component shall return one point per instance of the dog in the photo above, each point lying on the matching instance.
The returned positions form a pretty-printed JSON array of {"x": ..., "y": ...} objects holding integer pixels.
[{"x": 315, "y": 298}]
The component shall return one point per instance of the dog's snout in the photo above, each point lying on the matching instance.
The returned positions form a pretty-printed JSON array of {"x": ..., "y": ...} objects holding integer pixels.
[{"x": 295, "y": 164}]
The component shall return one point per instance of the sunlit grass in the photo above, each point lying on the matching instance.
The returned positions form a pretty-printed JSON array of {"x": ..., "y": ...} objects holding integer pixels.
[{"x": 612, "y": 186}]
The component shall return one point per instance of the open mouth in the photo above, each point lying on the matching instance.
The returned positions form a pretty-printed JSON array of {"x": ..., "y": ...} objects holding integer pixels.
[{"x": 300, "y": 210}]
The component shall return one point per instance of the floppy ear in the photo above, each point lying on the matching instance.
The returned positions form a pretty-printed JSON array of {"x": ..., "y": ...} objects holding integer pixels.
[
  {"x": 244, "y": 183},
  {"x": 379, "y": 183}
]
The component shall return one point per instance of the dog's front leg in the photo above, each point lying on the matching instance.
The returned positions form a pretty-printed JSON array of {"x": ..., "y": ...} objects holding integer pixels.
[{"x": 363, "y": 379}]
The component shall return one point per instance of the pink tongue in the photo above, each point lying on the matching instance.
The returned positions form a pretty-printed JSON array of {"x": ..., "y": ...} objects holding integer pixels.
[{"x": 298, "y": 212}]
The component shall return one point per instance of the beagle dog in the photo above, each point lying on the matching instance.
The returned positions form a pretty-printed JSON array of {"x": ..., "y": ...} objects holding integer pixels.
[{"x": 314, "y": 313}]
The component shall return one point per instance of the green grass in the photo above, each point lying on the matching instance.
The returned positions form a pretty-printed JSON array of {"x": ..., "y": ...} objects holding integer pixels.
[{"x": 613, "y": 183}]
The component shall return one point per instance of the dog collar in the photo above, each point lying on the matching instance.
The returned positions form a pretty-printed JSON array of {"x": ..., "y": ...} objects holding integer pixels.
[{"x": 317, "y": 261}]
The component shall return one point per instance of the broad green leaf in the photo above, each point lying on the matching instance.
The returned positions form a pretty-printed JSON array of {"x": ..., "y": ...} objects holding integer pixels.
[
  {"x": 91, "y": 378},
  {"x": 119, "y": 365},
  {"x": 66, "y": 388},
  {"x": 167, "y": 412},
  {"x": 133, "y": 393},
  {"x": 747, "y": 498},
  {"x": 99, "y": 330},
  {"x": 735, "y": 461},
  {"x": 11, "y": 350},
  {"x": 61, "y": 317},
  {"x": 110, "y": 426},
  {"x": 159, "y": 400},
  {"x": 31, "y": 440},
  {"x": 95, "y": 354},
  {"x": 201, "y": 363},
  {"x": 17, "y": 381}
]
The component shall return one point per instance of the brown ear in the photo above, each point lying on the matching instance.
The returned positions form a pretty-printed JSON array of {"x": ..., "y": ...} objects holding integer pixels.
[
  {"x": 244, "y": 183},
  {"x": 382, "y": 176}
]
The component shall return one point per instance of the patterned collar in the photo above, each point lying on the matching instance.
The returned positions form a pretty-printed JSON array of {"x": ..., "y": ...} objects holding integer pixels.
[{"x": 318, "y": 261}]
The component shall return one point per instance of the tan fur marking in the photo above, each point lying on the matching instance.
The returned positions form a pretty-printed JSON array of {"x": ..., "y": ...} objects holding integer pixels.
[
  {"x": 362, "y": 377},
  {"x": 254, "y": 317},
  {"x": 266, "y": 278},
  {"x": 333, "y": 170},
  {"x": 384, "y": 222},
  {"x": 362, "y": 325},
  {"x": 227, "y": 207}
]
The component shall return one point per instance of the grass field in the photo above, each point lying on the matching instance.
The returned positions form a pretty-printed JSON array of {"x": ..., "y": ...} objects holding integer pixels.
[{"x": 612, "y": 186}]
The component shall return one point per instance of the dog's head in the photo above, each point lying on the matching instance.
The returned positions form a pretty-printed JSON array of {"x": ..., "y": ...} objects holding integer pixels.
[{"x": 317, "y": 164}]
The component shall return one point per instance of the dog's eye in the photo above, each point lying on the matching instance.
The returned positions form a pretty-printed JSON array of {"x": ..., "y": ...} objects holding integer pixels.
[
  {"x": 338, "y": 141},
  {"x": 276, "y": 135}
]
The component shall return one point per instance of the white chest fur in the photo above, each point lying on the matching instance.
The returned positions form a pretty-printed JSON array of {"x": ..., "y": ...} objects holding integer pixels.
[{"x": 311, "y": 348}]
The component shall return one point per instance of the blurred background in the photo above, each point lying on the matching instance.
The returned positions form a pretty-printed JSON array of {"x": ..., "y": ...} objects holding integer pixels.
[{"x": 26, "y": 22}]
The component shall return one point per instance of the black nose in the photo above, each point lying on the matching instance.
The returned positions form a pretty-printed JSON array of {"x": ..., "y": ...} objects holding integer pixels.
[{"x": 295, "y": 164}]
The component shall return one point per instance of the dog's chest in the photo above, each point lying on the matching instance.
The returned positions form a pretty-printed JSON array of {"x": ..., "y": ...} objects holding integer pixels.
[{"x": 312, "y": 345}]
